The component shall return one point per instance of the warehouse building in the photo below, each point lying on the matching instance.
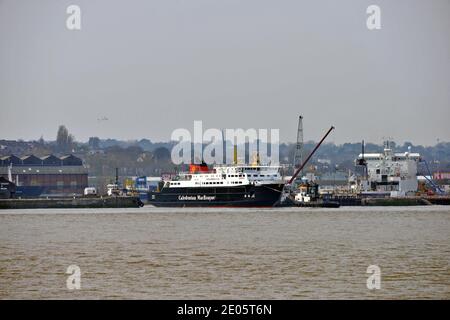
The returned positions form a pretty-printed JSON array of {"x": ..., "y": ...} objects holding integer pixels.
[{"x": 45, "y": 176}]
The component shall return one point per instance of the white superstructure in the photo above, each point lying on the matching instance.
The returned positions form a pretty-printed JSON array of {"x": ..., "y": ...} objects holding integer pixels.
[
  {"x": 391, "y": 172},
  {"x": 255, "y": 173},
  {"x": 228, "y": 175}
]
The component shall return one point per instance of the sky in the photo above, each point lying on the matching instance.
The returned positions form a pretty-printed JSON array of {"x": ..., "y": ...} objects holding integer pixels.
[{"x": 141, "y": 69}]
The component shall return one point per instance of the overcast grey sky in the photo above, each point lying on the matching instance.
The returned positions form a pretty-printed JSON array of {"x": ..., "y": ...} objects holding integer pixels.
[{"x": 153, "y": 66}]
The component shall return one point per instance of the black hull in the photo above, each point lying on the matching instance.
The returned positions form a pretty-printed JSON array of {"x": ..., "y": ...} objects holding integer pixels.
[{"x": 236, "y": 196}]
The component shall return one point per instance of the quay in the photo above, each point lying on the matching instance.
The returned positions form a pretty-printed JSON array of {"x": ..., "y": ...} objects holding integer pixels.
[{"x": 389, "y": 201}]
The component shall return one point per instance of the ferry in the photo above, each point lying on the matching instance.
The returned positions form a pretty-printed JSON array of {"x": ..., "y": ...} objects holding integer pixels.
[{"x": 222, "y": 186}]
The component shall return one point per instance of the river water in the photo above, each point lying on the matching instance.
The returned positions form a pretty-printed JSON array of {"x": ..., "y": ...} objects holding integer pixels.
[{"x": 287, "y": 253}]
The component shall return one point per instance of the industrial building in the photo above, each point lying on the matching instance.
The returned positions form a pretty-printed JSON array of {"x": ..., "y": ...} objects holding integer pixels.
[{"x": 45, "y": 176}]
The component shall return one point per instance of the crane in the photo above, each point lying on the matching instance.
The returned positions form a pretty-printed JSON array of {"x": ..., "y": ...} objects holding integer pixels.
[{"x": 309, "y": 156}]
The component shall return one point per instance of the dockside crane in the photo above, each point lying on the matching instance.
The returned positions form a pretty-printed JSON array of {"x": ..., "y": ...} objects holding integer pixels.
[
  {"x": 300, "y": 168},
  {"x": 298, "y": 156},
  {"x": 287, "y": 191},
  {"x": 430, "y": 181}
]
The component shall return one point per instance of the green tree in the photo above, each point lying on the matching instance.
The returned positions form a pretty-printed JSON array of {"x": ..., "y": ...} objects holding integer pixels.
[{"x": 64, "y": 140}]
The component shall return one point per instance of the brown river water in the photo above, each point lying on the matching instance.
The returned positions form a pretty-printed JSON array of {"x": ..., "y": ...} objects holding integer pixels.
[{"x": 287, "y": 253}]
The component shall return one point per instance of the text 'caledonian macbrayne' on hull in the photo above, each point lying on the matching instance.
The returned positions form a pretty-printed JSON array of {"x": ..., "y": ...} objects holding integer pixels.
[{"x": 223, "y": 186}]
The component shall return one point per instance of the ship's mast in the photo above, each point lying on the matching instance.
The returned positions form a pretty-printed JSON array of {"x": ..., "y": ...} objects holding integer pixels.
[{"x": 298, "y": 156}]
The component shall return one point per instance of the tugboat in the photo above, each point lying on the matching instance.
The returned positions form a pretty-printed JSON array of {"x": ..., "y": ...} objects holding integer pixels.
[
  {"x": 222, "y": 186},
  {"x": 307, "y": 195}
]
